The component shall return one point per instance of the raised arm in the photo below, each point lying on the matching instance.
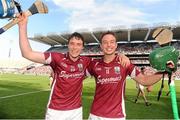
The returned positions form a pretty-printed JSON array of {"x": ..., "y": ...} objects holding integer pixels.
[{"x": 24, "y": 44}]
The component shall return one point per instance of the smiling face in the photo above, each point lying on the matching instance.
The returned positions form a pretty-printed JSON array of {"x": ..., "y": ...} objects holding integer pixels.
[
  {"x": 108, "y": 44},
  {"x": 75, "y": 47}
]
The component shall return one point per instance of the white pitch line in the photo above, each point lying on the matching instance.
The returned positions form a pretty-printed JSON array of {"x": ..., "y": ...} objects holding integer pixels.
[
  {"x": 33, "y": 92},
  {"x": 22, "y": 94}
]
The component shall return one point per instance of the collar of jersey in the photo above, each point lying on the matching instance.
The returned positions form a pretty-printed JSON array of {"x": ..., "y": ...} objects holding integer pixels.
[
  {"x": 110, "y": 63},
  {"x": 67, "y": 56}
]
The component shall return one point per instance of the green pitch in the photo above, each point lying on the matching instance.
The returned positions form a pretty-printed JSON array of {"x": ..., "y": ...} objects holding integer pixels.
[{"x": 26, "y": 96}]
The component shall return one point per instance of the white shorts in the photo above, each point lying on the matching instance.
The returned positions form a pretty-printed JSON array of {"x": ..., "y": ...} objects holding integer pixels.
[
  {"x": 75, "y": 114},
  {"x": 94, "y": 117}
]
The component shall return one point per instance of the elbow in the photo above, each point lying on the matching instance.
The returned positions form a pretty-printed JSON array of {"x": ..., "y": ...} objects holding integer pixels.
[
  {"x": 25, "y": 55},
  {"x": 144, "y": 82}
]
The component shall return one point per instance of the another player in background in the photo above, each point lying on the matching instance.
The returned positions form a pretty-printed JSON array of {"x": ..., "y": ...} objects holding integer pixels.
[
  {"x": 141, "y": 90},
  {"x": 51, "y": 78},
  {"x": 110, "y": 76}
]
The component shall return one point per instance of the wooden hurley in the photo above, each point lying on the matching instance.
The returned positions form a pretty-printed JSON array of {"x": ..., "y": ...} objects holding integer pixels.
[
  {"x": 37, "y": 7},
  {"x": 163, "y": 35}
]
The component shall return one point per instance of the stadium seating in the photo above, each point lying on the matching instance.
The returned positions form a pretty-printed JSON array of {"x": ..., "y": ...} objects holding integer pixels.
[{"x": 137, "y": 52}]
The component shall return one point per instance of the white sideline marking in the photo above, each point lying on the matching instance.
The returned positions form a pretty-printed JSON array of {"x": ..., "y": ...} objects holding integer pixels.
[
  {"x": 22, "y": 94},
  {"x": 31, "y": 92}
]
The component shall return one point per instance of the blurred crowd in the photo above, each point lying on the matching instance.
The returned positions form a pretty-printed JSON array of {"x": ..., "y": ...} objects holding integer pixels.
[
  {"x": 127, "y": 49},
  {"x": 46, "y": 70}
]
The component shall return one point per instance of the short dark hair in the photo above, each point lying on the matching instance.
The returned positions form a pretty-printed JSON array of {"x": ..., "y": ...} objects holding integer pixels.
[
  {"x": 107, "y": 33},
  {"x": 76, "y": 35}
]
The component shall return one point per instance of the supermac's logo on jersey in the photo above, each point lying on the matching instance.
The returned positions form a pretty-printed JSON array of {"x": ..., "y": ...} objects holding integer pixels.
[
  {"x": 71, "y": 75},
  {"x": 80, "y": 67},
  {"x": 117, "y": 69}
]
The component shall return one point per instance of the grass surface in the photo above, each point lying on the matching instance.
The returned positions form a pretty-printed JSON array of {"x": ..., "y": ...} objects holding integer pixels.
[{"x": 26, "y": 97}]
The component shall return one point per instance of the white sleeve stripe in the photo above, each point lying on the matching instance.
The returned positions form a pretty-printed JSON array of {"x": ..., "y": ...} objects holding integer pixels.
[
  {"x": 51, "y": 92},
  {"x": 133, "y": 73},
  {"x": 87, "y": 73},
  {"x": 96, "y": 64},
  {"x": 49, "y": 59}
]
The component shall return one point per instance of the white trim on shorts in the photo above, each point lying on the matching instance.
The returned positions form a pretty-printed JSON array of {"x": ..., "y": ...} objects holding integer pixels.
[
  {"x": 94, "y": 117},
  {"x": 75, "y": 114}
]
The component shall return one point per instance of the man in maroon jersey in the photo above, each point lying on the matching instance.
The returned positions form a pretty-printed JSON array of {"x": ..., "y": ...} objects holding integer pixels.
[
  {"x": 110, "y": 76},
  {"x": 69, "y": 72}
]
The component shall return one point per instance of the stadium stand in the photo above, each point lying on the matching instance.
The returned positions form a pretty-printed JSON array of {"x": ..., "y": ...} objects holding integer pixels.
[
  {"x": 10, "y": 65},
  {"x": 39, "y": 70},
  {"x": 135, "y": 42}
]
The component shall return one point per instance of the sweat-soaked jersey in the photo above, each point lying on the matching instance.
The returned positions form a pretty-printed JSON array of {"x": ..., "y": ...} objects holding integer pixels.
[
  {"x": 68, "y": 78},
  {"x": 110, "y": 85}
]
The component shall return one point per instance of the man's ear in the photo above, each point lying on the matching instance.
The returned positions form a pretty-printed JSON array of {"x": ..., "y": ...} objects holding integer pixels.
[{"x": 116, "y": 45}]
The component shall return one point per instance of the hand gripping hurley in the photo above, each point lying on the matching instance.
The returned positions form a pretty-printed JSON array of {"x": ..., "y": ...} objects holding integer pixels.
[
  {"x": 161, "y": 56},
  {"x": 37, "y": 7}
]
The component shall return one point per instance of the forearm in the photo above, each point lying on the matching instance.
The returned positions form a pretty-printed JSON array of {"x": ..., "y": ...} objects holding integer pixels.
[
  {"x": 24, "y": 44},
  {"x": 23, "y": 41},
  {"x": 147, "y": 80}
]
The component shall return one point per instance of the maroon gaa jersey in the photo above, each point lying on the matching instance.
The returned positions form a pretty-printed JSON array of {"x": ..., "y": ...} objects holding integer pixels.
[
  {"x": 110, "y": 82},
  {"x": 68, "y": 78}
]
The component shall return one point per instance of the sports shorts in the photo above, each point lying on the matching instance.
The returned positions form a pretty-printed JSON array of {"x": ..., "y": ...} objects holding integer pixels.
[
  {"x": 75, "y": 114},
  {"x": 94, "y": 117}
]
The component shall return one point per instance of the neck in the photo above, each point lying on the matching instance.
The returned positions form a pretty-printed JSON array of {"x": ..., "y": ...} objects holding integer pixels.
[
  {"x": 74, "y": 58},
  {"x": 109, "y": 58}
]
